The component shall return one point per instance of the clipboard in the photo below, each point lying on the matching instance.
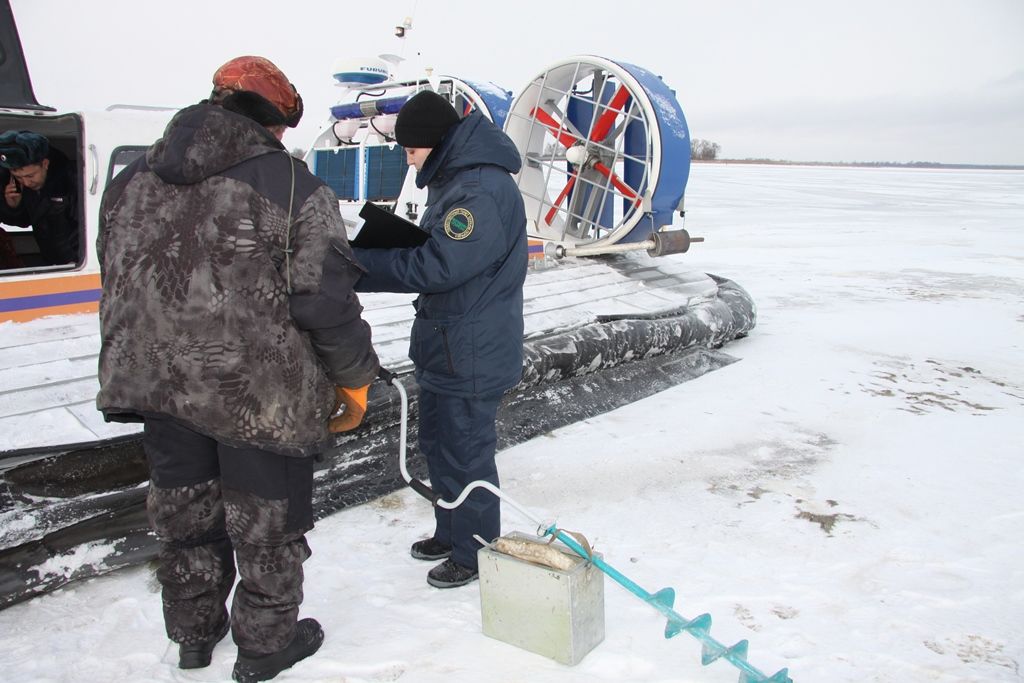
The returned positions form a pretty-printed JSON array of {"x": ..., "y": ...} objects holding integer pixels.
[{"x": 384, "y": 230}]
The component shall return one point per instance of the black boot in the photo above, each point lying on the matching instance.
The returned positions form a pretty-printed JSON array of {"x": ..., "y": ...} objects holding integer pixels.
[
  {"x": 252, "y": 666},
  {"x": 198, "y": 655},
  {"x": 430, "y": 549},
  {"x": 450, "y": 574}
]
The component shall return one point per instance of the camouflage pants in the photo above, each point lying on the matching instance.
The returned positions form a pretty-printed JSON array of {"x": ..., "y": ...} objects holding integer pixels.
[{"x": 213, "y": 506}]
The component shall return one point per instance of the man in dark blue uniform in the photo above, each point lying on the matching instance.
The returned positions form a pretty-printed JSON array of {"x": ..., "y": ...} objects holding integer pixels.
[{"x": 467, "y": 338}]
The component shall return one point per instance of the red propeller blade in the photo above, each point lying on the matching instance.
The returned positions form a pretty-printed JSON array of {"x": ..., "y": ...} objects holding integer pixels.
[
  {"x": 605, "y": 121},
  {"x": 619, "y": 185},
  {"x": 555, "y": 128},
  {"x": 559, "y": 199}
]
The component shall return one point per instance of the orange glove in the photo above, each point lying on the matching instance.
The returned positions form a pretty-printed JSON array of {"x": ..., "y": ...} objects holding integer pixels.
[{"x": 353, "y": 403}]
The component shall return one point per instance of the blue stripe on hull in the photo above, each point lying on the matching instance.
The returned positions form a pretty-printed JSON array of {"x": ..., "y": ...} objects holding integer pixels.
[{"x": 24, "y": 303}]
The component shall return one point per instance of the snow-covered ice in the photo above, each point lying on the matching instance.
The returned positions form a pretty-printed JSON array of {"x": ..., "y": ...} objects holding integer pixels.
[{"x": 846, "y": 496}]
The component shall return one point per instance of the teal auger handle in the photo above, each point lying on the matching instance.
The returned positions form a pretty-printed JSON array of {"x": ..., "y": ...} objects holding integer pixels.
[{"x": 699, "y": 628}]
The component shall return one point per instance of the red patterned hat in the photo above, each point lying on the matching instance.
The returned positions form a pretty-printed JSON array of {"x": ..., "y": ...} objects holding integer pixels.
[{"x": 259, "y": 75}]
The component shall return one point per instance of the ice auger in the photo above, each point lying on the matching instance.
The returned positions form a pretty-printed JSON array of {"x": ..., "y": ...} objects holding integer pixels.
[{"x": 663, "y": 601}]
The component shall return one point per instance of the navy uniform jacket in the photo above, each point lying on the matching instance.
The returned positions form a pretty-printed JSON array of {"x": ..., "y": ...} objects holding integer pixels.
[{"x": 467, "y": 338}]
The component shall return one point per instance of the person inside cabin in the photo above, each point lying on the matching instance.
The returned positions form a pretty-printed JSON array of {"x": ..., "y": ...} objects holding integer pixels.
[
  {"x": 467, "y": 337},
  {"x": 39, "y": 192},
  {"x": 229, "y": 326}
]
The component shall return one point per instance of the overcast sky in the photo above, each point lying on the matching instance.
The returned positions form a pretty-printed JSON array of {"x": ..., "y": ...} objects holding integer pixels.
[{"x": 806, "y": 80}]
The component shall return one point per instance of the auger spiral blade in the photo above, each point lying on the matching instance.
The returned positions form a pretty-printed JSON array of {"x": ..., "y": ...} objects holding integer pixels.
[
  {"x": 666, "y": 597},
  {"x": 701, "y": 624},
  {"x": 780, "y": 676},
  {"x": 699, "y": 628},
  {"x": 712, "y": 651}
]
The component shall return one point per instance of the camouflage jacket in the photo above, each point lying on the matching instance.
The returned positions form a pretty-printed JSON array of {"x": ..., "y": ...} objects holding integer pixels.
[{"x": 215, "y": 312}]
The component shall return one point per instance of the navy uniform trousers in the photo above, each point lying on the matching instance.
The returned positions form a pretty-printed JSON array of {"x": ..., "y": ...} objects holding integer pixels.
[
  {"x": 458, "y": 438},
  {"x": 211, "y": 504}
]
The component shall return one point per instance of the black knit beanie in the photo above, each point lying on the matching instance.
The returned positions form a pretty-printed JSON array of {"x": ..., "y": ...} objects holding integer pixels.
[{"x": 424, "y": 119}]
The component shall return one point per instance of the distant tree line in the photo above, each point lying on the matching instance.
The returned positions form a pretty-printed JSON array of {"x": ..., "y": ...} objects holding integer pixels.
[
  {"x": 875, "y": 164},
  {"x": 705, "y": 150}
]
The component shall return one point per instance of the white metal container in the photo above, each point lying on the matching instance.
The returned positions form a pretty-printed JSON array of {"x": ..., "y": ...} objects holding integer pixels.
[{"x": 558, "y": 614}]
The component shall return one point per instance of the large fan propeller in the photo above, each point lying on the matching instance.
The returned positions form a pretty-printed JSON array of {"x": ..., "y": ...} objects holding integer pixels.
[{"x": 606, "y": 152}]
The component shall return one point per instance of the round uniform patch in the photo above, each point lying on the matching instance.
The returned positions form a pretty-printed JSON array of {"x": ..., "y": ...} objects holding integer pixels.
[{"x": 458, "y": 224}]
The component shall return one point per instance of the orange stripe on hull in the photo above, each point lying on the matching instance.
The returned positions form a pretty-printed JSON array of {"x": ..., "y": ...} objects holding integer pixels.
[{"x": 50, "y": 285}]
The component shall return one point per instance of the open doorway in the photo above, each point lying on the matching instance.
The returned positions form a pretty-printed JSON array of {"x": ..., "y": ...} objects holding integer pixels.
[{"x": 42, "y": 215}]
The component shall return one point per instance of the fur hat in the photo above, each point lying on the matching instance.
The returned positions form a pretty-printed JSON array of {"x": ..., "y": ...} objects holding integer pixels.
[
  {"x": 424, "y": 120},
  {"x": 255, "y": 87},
  {"x": 22, "y": 148}
]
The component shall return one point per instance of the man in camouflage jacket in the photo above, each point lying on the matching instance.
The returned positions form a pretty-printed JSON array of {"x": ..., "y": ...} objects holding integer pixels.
[{"x": 228, "y": 324}]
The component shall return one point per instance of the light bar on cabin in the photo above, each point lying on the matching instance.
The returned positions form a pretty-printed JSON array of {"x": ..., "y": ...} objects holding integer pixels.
[{"x": 368, "y": 108}]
